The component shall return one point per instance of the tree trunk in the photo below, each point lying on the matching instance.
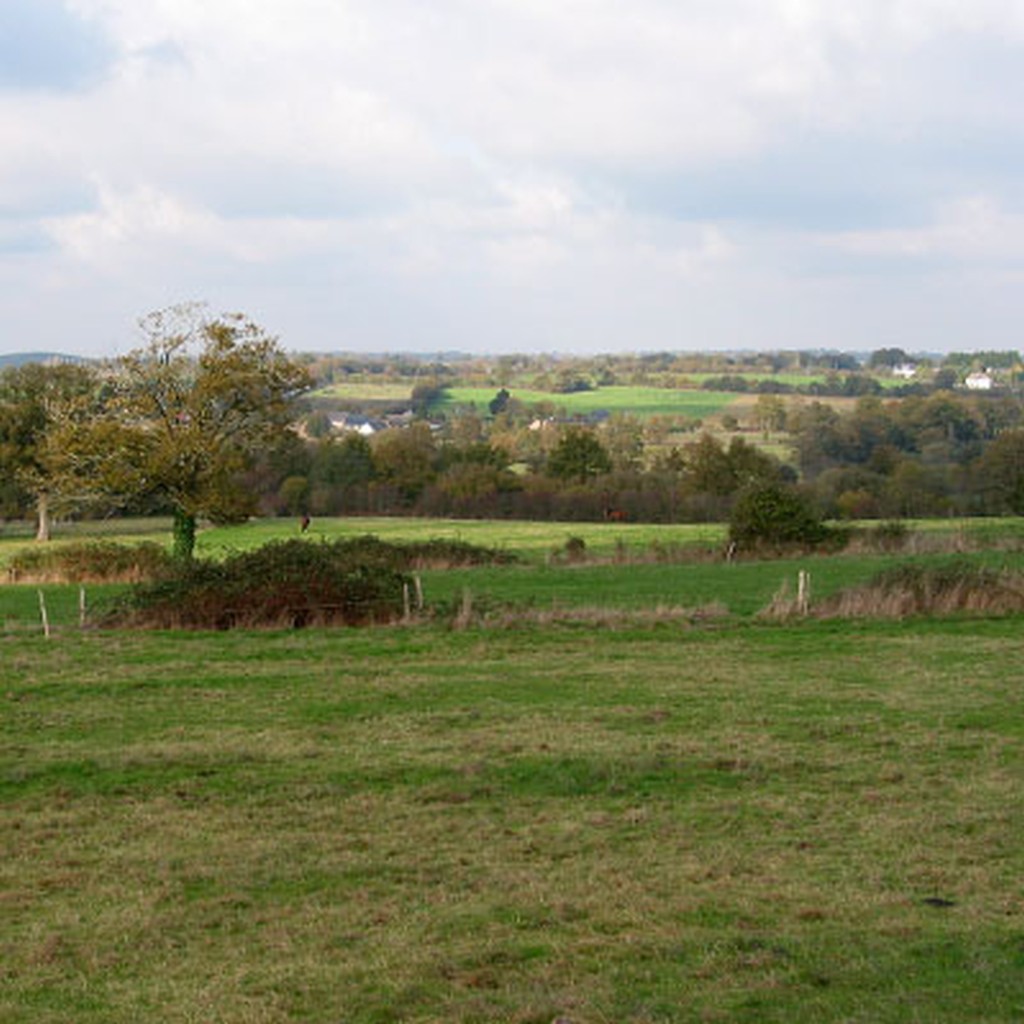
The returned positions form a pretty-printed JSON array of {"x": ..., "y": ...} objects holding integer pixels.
[
  {"x": 184, "y": 534},
  {"x": 43, "y": 514}
]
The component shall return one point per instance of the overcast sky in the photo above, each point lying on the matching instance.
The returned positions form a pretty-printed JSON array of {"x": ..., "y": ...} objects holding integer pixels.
[{"x": 515, "y": 175}]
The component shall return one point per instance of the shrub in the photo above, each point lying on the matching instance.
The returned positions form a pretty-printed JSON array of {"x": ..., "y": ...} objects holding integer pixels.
[
  {"x": 283, "y": 584},
  {"x": 775, "y": 515},
  {"x": 293, "y": 583},
  {"x": 575, "y": 549}
]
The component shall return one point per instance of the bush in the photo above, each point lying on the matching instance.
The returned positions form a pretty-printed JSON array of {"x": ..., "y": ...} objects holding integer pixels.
[
  {"x": 775, "y": 515},
  {"x": 293, "y": 583},
  {"x": 283, "y": 584},
  {"x": 95, "y": 561}
]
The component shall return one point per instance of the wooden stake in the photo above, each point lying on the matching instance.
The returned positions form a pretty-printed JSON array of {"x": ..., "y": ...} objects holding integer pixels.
[
  {"x": 45, "y": 617},
  {"x": 803, "y": 591},
  {"x": 81, "y": 607}
]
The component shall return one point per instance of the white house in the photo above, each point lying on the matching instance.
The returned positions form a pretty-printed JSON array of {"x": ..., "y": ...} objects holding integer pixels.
[{"x": 980, "y": 380}]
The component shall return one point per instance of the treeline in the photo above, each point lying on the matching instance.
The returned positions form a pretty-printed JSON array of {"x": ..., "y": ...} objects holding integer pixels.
[
  {"x": 414, "y": 471},
  {"x": 835, "y": 373},
  {"x": 937, "y": 455}
]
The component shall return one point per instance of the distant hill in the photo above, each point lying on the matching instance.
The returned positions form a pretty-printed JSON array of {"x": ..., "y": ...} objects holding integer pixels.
[{"x": 21, "y": 358}]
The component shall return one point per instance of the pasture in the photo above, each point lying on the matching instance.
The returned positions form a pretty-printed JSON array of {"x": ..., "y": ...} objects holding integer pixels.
[
  {"x": 641, "y": 402},
  {"x": 647, "y": 821}
]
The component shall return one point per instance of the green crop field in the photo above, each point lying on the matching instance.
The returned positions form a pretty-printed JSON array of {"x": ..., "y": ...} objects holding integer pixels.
[{"x": 635, "y": 821}]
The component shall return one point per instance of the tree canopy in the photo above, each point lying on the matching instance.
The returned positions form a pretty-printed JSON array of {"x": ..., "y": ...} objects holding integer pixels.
[{"x": 186, "y": 414}]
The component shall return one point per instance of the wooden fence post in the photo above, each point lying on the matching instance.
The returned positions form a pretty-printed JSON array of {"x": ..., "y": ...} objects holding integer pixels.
[
  {"x": 803, "y": 591},
  {"x": 45, "y": 617}
]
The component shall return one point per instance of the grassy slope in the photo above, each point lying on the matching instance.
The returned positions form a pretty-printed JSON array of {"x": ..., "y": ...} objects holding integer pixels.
[{"x": 657, "y": 825}]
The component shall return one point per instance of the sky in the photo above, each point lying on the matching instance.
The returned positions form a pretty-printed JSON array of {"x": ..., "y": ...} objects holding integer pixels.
[{"x": 493, "y": 176}]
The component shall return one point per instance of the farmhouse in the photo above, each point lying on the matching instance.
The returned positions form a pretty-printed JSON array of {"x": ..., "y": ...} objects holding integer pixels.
[
  {"x": 354, "y": 423},
  {"x": 980, "y": 380}
]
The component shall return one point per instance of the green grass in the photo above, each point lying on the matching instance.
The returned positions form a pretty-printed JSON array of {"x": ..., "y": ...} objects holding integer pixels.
[
  {"x": 794, "y": 380},
  {"x": 743, "y": 824},
  {"x": 533, "y": 540},
  {"x": 636, "y": 401},
  {"x": 366, "y": 391}
]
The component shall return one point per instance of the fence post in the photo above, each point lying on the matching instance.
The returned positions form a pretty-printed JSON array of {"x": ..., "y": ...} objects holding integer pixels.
[
  {"x": 803, "y": 591},
  {"x": 45, "y": 617},
  {"x": 81, "y": 607}
]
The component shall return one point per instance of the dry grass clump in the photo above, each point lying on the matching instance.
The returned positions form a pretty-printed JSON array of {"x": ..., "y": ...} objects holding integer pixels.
[
  {"x": 92, "y": 561},
  {"x": 912, "y": 590}
]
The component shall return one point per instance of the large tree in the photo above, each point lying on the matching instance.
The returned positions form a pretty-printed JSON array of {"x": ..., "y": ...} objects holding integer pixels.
[
  {"x": 37, "y": 402},
  {"x": 187, "y": 413}
]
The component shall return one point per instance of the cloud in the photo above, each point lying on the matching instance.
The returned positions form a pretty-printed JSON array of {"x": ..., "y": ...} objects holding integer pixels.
[
  {"x": 45, "y": 46},
  {"x": 578, "y": 173}
]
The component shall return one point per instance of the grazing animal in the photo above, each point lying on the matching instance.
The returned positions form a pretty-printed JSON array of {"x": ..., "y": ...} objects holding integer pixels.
[
  {"x": 305, "y": 523},
  {"x": 615, "y": 515}
]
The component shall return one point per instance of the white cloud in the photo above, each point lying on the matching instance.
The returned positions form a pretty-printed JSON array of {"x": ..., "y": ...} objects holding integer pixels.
[
  {"x": 663, "y": 163},
  {"x": 972, "y": 230}
]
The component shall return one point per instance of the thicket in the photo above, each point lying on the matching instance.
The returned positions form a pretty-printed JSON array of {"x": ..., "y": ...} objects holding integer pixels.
[{"x": 292, "y": 584}]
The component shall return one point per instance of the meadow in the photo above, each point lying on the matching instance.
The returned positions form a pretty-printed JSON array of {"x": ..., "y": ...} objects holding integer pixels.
[
  {"x": 641, "y": 402},
  {"x": 654, "y": 820},
  {"x": 636, "y": 401}
]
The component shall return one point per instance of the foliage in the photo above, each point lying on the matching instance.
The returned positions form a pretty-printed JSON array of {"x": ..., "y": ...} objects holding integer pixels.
[
  {"x": 285, "y": 584},
  {"x": 187, "y": 415},
  {"x": 37, "y": 402},
  {"x": 294, "y": 583},
  {"x": 775, "y": 515},
  {"x": 1000, "y": 473},
  {"x": 578, "y": 456},
  {"x": 499, "y": 403}
]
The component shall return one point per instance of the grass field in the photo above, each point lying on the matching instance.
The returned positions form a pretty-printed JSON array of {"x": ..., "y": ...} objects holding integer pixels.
[
  {"x": 636, "y": 401},
  {"x": 759, "y": 824},
  {"x": 728, "y": 822},
  {"x": 366, "y": 391}
]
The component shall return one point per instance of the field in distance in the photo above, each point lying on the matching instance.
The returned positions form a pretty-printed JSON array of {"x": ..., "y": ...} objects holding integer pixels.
[{"x": 636, "y": 401}]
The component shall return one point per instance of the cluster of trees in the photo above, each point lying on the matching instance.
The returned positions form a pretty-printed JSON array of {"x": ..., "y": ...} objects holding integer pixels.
[
  {"x": 942, "y": 454},
  {"x": 564, "y": 472}
]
